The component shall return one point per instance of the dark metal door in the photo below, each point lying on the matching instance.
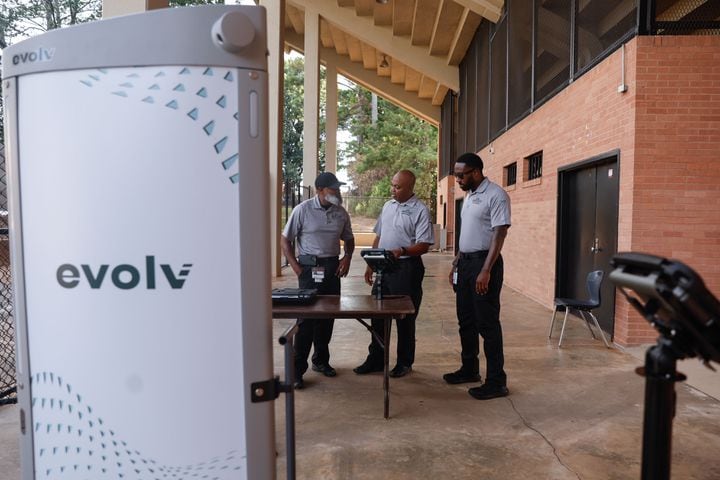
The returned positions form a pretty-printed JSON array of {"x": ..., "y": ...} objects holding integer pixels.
[{"x": 587, "y": 231}]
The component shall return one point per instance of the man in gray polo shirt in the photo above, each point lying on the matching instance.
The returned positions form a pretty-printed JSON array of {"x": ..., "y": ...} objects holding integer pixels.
[
  {"x": 477, "y": 277},
  {"x": 404, "y": 228},
  {"x": 318, "y": 225}
]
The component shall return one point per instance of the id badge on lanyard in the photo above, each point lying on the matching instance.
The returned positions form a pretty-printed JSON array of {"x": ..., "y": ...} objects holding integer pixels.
[{"x": 318, "y": 274}]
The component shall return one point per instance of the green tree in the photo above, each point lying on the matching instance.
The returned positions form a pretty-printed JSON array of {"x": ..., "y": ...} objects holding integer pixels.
[
  {"x": 398, "y": 140},
  {"x": 294, "y": 119},
  {"x": 20, "y": 19}
]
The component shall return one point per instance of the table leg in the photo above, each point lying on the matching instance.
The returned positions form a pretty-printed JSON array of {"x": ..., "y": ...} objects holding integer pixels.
[{"x": 386, "y": 355}]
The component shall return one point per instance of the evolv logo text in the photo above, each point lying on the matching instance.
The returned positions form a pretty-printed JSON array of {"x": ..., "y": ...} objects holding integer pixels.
[
  {"x": 40, "y": 55},
  {"x": 123, "y": 276}
]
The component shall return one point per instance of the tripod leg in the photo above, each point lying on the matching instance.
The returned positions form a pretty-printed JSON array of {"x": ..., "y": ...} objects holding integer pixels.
[{"x": 660, "y": 378}]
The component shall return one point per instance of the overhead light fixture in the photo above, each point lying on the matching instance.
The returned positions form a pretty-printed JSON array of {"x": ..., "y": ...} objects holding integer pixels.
[
  {"x": 382, "y": 2},
  {"x": 384, "y": 63}
]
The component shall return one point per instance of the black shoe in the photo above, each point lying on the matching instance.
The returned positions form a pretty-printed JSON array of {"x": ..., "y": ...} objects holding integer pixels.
[
  {"x": 325, "y": 369},
  {"x": 461, "y": 376},
  {"x": 368, "y": 367},
  {"x": 299, "y": 383},
  {"x": 400, "y": 371},
  {"x": 487, "y": 391}
]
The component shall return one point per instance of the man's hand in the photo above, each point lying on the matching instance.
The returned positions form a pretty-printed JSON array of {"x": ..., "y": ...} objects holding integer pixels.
[
  {"x": 369, "y": 276},
  {"x": 451, "y": 275},
  {"x": 296, "y": 268},
  {"x": 482, "y": 282},
  {"x": 344, "y": 266}
]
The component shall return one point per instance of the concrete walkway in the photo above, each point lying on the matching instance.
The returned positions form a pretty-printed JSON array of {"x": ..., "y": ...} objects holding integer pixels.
[{"x": 572, "y": 413}]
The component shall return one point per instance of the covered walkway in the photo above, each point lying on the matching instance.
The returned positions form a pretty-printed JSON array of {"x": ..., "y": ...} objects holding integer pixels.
[{"x": 572, "y": 413}]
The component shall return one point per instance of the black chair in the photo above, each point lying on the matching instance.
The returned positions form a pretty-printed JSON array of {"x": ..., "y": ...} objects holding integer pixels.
[{"x": 593, "y": 283}]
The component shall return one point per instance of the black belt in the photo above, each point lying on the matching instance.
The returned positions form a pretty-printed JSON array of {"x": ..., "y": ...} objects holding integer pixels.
[
  {"x": 478, "y": 254},
  {"x": 409, "y": 259},
  {"x": 326, "y": 261}
]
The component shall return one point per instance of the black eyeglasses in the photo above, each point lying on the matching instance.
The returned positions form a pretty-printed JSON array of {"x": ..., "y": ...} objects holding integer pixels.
[{"x": 466, "y": 172}]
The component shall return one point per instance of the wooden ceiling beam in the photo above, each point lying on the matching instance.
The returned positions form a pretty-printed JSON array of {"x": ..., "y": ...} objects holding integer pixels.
[
  {"x": 338, "y": 40},
  {"x": 439, "y": 95},
  {"x": 382, "y": 38},
  {"x": 469, "y": 22},
  {"x": 325, "y": 35},
  {"x": 424, "y": 21},
  {"x": 380, "y": 85},
  {"x": 297, "y": 18},
  {"x": 368, "y": 56},
  {"x": 383, "y": 14},
  {"x": 403, "y": 13},
  {"x": 490, "y": 9},
  {"x": 446, "y": 24},
  {"x": 364, "y": 8}
]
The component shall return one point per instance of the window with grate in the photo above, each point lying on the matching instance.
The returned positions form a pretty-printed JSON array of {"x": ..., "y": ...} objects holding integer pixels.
[
  {"x": 533, "y": 166},
  {"x": 511, "y": 174}
]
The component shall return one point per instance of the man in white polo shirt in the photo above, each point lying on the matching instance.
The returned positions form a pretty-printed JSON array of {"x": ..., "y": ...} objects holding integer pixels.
[
  {"x": 477, "y": 277},
  {"x": 404, "y": 228},
  {"x": 318, "y": 225}
]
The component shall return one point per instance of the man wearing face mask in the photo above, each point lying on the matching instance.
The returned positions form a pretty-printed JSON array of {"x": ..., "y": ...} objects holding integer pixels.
[{"x": 317, "y": 225}]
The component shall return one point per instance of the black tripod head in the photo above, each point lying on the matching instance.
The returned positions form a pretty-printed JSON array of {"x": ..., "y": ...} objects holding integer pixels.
[
  {"x": 379, "y": 259},
  {"x": 674, "y": 299}
]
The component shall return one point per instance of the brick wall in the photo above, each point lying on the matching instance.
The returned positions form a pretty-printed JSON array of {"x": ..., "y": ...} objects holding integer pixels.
[
  {"x": 676, "y": 208},
  {"x": 667, "y": 129}
]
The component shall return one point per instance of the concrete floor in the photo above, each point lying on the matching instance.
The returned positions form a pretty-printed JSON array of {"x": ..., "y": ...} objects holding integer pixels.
[{"x": 572, "y": 413}]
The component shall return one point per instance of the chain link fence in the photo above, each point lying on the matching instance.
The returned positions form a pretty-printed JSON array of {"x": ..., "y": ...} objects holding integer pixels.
[{"x": 7, "y": 328}]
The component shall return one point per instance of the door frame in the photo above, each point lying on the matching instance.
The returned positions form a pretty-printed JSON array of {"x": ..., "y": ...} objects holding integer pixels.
[{"x": 560, "y": 266}]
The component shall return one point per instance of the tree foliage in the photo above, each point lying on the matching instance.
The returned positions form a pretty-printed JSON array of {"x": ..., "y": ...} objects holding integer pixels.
[
  {"x": 20, "y": 19},
  {"x": 294, "y": 119},
  {"x": 397, "y": 141}
]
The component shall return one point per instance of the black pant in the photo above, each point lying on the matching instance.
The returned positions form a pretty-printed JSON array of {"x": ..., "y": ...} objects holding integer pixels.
[
  {"x": 312, "y": 331},
  {"x": 480, "y": 315},
  {"x": 406, "y": 279}
]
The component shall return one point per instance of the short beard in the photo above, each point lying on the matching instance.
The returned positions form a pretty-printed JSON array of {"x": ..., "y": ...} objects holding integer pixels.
[{"x": 465, "y": 187}]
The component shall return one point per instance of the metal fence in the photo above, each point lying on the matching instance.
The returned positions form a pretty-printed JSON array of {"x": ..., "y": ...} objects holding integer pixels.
[
  {"x": 7, "y": 327},
  {"x": 292, "y": 195}
]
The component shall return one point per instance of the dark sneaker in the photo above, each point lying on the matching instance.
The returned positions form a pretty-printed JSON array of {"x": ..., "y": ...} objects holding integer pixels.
[
  {"x": 326, "y": 370},
  {"x": 368, "y": 367},
  {"x": 486, "y": 392},
  {"x": 400, "y": 371},
  {"x": 461, "y": 376},
  {"x": 299, "y": 383}
]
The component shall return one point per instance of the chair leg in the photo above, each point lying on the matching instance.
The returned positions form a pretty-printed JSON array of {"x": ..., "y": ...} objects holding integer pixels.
[
  {"x": 562, "y": 332},
  {"x": 599, "y": 329},
  {"x": 552, "y": 322},
  {"x": 587, "y": 323}
]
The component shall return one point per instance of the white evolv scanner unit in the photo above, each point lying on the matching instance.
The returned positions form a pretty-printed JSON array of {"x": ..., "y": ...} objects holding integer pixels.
[{"x": 139, "y": 229}]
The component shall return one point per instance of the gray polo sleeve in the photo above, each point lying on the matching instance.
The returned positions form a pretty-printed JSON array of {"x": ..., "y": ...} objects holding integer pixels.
[
  {"x": 378, "y": 224},
  {"x": 294, "y": 224},
  {"x": 500, "y": 209},
  {"x": 423, "y": 229},
  {"x": 347, "y": 233}
]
